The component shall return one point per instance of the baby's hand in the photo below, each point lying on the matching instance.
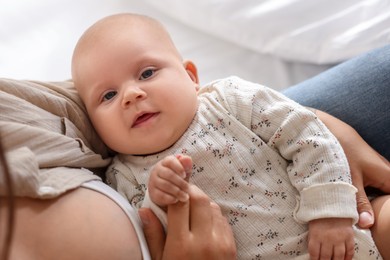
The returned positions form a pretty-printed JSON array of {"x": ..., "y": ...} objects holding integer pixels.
[
  {"x": 168, "y": 180},
  {"x": 331, "y": 238}
]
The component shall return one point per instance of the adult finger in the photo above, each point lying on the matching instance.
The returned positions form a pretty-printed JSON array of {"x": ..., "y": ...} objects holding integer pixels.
[
  {"x": 221, "y": 226},
  {"x": 179, "y": 215},
  {"x": 382, "y": 170},
  {"x": 365, "y": 211},
  {"x": 191, "y": 213},
  {"x": 374, "y": 171},
  {"x": 201, "y": 211},
  {"x": 154, "y": 232}
]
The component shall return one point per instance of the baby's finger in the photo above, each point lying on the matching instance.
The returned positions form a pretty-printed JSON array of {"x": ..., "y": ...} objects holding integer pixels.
[
  {"x": 186, "y": 162},
  {"x": 162, "y": 198},
  {"x": 174, "y": 186},
  {"x": 326, "y": 251},
  {"x": 349, "y": 248},
  {"x": 170, "y": 176},
  {"x": 171, "y": 162},
  {"x": 339, "y": 252},
  {"x": 314, "y": 249}
]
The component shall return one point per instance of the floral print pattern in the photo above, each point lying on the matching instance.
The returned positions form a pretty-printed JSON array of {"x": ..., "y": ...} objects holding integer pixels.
[{"x": 259, "y": 156}]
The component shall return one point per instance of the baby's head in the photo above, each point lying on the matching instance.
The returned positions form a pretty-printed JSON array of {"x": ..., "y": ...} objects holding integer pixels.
[{"x": 139, "y": 94}]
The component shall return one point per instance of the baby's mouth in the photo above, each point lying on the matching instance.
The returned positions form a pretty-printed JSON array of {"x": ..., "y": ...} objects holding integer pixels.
[{"x": 143, "y": 118}]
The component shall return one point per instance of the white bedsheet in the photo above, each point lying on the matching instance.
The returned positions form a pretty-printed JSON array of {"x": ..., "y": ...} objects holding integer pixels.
[{"x": 276, "y": 43}]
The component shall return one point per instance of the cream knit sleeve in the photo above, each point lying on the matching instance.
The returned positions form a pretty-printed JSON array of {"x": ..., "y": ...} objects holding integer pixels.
[{"x": 317, "y": 165}]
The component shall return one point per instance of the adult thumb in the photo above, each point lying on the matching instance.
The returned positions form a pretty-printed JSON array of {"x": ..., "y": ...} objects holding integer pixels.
[
  {"x": 154, "y": 232},
  {"x": 366, "y": 213}
]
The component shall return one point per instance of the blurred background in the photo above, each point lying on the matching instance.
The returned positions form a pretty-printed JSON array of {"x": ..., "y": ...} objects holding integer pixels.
[{"x": 275, "y": 43}]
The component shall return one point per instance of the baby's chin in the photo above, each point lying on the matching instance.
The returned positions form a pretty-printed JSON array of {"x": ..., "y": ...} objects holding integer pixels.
[
  {"x": 144, "y": 151},
  {"x": 147, "y": 146},
  {"x": 151, "y": 151}
]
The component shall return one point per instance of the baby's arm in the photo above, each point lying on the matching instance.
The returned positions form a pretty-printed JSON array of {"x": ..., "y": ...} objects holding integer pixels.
[
  {"x": 168, "y": 180},
  {"x": 331, "y": 238}
]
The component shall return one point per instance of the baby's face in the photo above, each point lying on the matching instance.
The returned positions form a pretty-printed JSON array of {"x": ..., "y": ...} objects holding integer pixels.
[{"x": 138, "y": 93}]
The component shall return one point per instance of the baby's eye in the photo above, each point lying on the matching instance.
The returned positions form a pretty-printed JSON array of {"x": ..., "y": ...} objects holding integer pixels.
[
  {"x": 109, "y": 95},
  {"x": 147, "y": 74}
]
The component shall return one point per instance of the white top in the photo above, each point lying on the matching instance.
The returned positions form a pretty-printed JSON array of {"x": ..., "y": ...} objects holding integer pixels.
[
  {"x": 268, "y": 162},
  {"x": 126, "y": 207}
]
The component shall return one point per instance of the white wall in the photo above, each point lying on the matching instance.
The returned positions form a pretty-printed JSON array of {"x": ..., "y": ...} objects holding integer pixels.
[{"x": 37, "y": 37}]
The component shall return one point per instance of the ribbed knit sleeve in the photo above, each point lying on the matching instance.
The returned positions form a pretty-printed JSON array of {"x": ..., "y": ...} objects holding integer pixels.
[{"x": 317, "y": 166}]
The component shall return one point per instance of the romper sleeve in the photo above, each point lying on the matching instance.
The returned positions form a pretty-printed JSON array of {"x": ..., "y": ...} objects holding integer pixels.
[{"x": 317, "y": 166}]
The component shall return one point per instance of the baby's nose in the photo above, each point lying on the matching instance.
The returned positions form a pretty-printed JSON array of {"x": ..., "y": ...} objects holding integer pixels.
[{"x": 132, "y": 95}]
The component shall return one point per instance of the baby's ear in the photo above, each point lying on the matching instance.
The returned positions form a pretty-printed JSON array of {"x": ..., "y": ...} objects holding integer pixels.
[{"x": 192, "y": 71}]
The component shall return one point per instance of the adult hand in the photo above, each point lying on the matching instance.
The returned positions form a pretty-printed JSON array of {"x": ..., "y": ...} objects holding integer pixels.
[
  {"x": 199, "y": 231},
  {"x": 368, "y": 168}
]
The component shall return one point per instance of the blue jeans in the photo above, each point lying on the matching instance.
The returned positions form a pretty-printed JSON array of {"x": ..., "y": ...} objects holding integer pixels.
[{"x": 357, "y": 92}]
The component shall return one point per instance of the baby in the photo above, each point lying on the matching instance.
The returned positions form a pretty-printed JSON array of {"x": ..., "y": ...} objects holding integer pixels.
[{"x": 277, "y": 172}]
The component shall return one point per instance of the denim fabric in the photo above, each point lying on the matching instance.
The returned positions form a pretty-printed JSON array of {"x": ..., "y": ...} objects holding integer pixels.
[{"x": 357, "y": 92}]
